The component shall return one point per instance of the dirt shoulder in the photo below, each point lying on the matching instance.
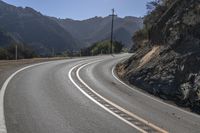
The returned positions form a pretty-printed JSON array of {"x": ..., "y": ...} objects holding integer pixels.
[{"x": 7, "y": 67}]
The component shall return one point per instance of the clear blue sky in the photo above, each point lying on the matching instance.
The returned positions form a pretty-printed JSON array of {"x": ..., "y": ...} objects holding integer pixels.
[{"x": 83, "y": 9}]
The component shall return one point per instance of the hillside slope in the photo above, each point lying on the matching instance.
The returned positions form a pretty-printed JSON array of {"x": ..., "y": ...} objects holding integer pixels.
[
  {"x": 98, "y": 28},
  {"x": 168, "y": 63},
  {"x": 31, "y": 27},
  {"x": 5, "y": 39}
]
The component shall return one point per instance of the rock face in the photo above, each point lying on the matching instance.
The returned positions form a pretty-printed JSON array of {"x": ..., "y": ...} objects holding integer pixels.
[{"x": 169, "y": 66}]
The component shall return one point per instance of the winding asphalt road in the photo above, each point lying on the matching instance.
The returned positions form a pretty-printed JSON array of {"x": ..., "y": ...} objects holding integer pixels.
[{"x": 84, "y": 96}]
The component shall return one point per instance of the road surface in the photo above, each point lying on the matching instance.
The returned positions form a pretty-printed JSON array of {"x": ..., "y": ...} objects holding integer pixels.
[{"x": 85, "y": 96}]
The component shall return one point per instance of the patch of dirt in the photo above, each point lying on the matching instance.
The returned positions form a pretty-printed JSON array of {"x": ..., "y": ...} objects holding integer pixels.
[{"x": 150, "y": 55}]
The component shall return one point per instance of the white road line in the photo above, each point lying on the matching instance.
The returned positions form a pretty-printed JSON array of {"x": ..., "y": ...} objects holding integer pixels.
[
  {"x": 3, "y": 128},
  {"x": 113, "y": 104},
  {"x": 157, "y": 100}
]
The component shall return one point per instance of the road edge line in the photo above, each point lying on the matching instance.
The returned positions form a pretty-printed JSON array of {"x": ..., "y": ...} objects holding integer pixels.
[
  {"x": 120, "y": 108},
  {"x": 88, "y": 96},
  {"x": 155, "y": 99},
  {"x": 3, "y": 128}
]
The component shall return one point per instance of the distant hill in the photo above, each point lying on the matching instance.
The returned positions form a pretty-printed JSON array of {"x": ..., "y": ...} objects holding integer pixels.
[
  {"x": 5, "y": 39},
  {"x": 47, "y": 34},
  {"x": 7, "y": 48},
  {"x": 31, "y": 27},
  {"x": 98, "y": 28}
]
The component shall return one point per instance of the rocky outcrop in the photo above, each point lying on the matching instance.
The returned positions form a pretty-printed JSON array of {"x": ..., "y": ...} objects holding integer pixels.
[{"x": 170, "y": 65}]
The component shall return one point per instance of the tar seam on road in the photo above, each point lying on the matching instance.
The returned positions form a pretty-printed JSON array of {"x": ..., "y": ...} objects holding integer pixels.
[
  {"x": 119, "y": 112},
  {"x": 157, "y": 100}
]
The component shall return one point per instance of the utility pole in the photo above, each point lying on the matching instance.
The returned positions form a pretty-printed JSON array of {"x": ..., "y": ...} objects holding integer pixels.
[
  {"x": 16, "y": 54},
  {"x": 92, "y": 53},
  {"x": 112, "y": 26},
  {"x": 72, "y": 53}
]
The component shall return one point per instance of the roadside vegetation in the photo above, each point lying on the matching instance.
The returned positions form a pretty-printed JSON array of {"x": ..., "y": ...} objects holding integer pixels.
[
  {"x": 24, "y": 52},
  {"x": 102, "y": 47},
  {"x": 155, "y": 10}
]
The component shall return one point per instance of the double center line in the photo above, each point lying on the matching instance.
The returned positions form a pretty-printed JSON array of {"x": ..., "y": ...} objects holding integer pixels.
[{"x": 126, "y": 116}]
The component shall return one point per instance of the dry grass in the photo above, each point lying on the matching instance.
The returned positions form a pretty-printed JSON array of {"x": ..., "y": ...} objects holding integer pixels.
[{"x": 7, "y": 64}]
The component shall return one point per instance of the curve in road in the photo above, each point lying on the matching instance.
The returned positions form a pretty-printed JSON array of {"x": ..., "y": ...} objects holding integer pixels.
[
  {"x": 124, "y": 115},
  {"x": 45, "y": 99}
]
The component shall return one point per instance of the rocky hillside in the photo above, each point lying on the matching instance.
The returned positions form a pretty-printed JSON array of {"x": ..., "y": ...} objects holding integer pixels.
[
  {"x": 31, "y": 27},
  {"x": 167, "y": 57},
  {"x": 98, "y": 28}
]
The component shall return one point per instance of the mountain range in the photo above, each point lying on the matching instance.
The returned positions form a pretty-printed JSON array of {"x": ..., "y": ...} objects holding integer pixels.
[
  {"x": 46, "y": 34},
  {"x": 31, "y": 27},
  {"x": 98, "y": 28}
]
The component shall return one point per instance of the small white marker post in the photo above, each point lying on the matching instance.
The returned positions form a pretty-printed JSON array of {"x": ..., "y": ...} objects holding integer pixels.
[{"x": 16, "y": 52}]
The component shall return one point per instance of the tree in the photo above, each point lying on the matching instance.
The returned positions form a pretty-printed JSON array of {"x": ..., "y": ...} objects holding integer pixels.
[
  {"x": 102, "y": 47},
  {"x": 152, "y": 5},
  {"x": 118, "y": 47},
  {"x": 156, "y": 9},
  {"x": 24, "y": 51},
  {"x": 3, "y": 54}
]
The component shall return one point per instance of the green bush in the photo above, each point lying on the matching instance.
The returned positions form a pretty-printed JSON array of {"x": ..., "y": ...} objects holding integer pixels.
[
  {"x": 3, "y": 54},
  {"x": 24, "y": 52},
  {"x": 103, "y": 47}
]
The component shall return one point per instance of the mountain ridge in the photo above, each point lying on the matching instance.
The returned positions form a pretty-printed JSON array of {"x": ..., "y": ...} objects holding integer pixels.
[
  {"x": 46, "y": 34},
  {"x": 31, "y": 27},
  {"x": 98, "y": 28}
]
